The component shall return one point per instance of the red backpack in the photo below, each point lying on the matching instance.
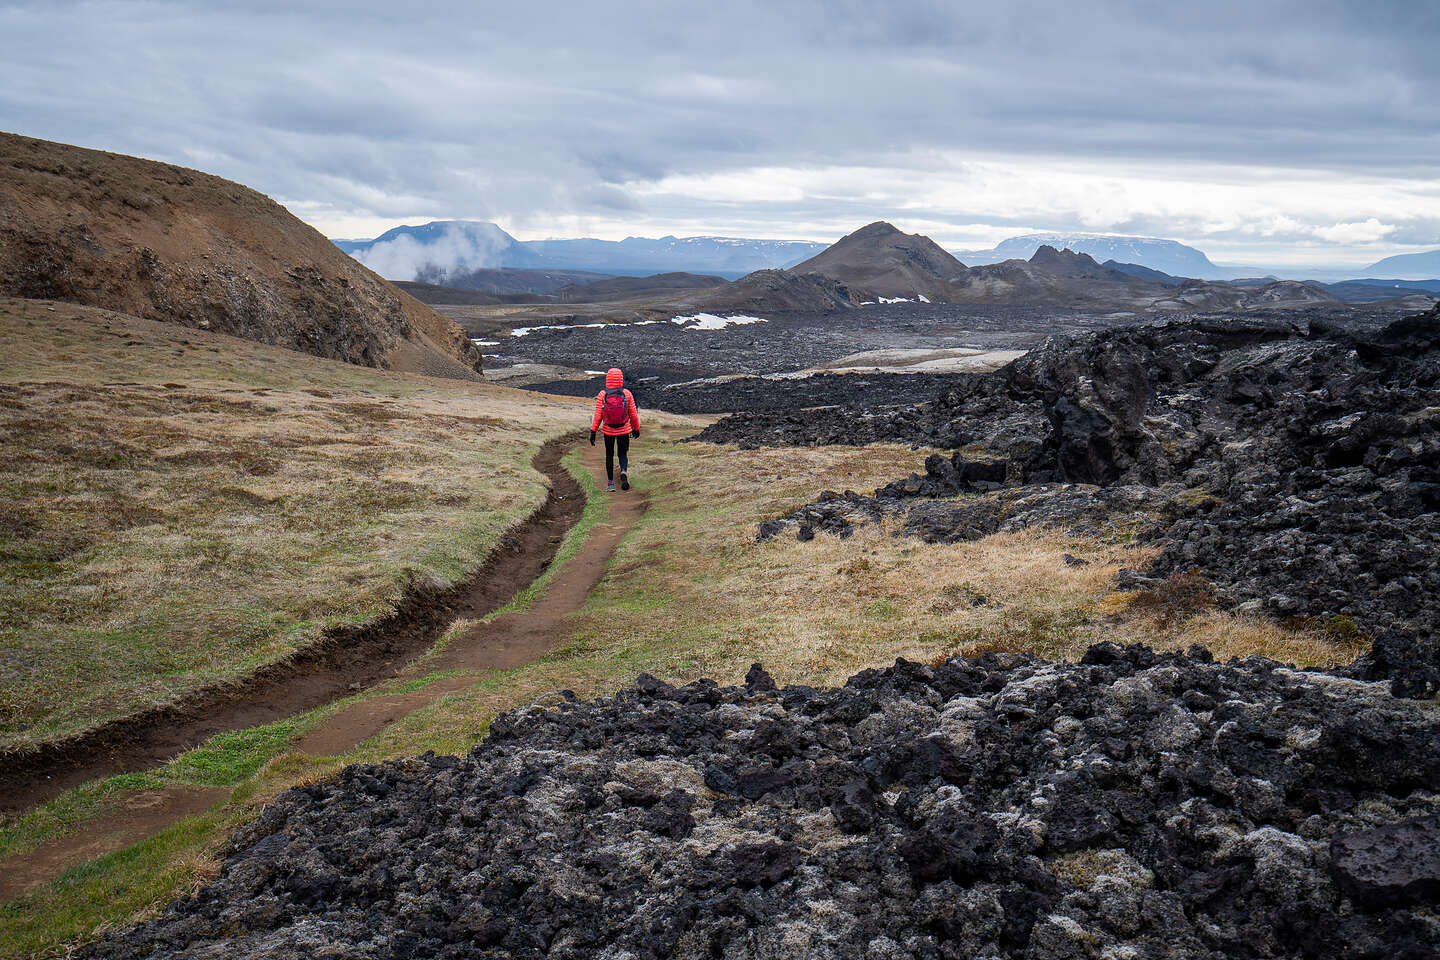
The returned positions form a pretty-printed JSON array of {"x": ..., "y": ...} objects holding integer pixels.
[{"x": 614, "y": 410}]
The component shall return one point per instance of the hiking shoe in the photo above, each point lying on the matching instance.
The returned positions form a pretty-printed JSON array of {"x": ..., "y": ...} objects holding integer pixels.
[
  {"x": 624, "y": 481},
  {"x": 611, "y": 486}
]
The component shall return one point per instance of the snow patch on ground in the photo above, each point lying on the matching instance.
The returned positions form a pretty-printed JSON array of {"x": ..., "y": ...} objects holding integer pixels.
[
  {"x": 709, "y": 321},
  {"x": 919, "y": 298},
  {"x": 526, "y": 331}
]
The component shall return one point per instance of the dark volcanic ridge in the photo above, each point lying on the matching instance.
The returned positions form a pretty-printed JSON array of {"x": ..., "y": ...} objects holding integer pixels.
[
  {"x": 437, "y": 295},
  {"x": 879, "y": 266},
  {"x": 878, "y": 261},
  {"x": 1132, "y": 805},
  {"x": 1295, "y": 464}
]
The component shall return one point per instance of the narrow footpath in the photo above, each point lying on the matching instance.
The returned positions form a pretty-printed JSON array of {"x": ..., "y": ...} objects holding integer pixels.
[{"x": 510, "y": 640}]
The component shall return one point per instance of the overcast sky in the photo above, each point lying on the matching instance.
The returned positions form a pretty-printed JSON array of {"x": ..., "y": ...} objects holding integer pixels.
[{"x": 1276, "y": 132}]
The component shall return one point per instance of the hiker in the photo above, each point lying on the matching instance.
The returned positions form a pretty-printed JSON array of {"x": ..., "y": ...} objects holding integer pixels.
[{"x": 616, "y": 417}]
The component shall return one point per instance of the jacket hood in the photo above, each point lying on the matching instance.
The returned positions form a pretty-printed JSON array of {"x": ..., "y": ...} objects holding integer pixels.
[{"x": 614, "y": 378}]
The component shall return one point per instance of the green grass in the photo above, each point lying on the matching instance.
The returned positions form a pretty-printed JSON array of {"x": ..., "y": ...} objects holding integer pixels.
[
  {"x": 78, "y": 805},
  {"x": 228, "y": 758},
  {"x": 127, "y": 883},
  {"x": 882, "y": 610},
  {"x": 259, "y": 763}
]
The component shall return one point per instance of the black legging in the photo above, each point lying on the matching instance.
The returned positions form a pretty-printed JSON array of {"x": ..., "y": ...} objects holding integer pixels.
[{"x": 623, "y": 442}]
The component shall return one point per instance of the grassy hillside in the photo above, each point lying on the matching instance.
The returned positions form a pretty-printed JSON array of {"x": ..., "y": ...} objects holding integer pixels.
[
  {"x": 169, "y": 243},
  {"x": 182, "y": 506}
]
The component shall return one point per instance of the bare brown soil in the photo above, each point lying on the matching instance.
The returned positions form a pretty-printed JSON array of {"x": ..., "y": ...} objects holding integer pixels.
[
  {"x": 345, "y": 660},
  {"x": 140, "y": 815}
]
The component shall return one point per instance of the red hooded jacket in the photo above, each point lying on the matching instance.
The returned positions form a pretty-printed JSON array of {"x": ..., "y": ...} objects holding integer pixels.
[{"x": 614, "y": 378}]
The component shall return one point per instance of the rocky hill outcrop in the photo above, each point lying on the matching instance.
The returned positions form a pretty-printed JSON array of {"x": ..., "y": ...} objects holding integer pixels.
[
  {"x": 881, "y": 261},
  {"x": 1075, "y": 266},
  {"x": 1056, "y": 277},
  {"x": 1213, "y": 295},
  {"x": 171, "y": 244},
  {"x": 1074, "y": 279},
  {"x": 1130, "y": 805}
]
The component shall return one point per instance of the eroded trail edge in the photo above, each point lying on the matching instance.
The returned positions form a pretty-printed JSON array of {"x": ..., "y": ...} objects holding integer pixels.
[
  {"x": 510, "y": 640},
  {"x": 343, "y": 661}
]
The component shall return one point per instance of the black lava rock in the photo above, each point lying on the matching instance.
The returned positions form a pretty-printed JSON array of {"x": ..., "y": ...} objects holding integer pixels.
[
  {"x": 1000, "y": 807},
  {"x": 1396, "y": 864}
]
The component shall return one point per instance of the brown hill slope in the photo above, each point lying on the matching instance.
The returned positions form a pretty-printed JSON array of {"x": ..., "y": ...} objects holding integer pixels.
[
  {"x": 882, "y": 261},
  {"x": 1076, "y": 266},
  {"x": 172, "y": 244}
]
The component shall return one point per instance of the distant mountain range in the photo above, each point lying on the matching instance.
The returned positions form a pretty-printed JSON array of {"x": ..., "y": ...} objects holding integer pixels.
[
  {"x": 880, "y": 263},
  {"x": 445, "y": 251},
  {"x": 1407, "y": 266},
  {"x": 1167, "y": 256},
  {"x": 438, "y": 252}
]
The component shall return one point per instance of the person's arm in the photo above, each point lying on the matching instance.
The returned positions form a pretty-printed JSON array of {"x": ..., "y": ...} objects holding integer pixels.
[
  {"x": 634, "y": 415},
  {"x": 595, "y": 420}
]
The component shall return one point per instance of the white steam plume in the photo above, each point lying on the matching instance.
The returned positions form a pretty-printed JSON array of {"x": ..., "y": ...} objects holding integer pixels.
[{"x": 458, "y": 249}]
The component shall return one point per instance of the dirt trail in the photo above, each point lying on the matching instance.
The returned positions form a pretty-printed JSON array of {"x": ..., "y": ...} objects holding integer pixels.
[
  {"x": 507, "y": 641},
  {"x": 140, "y": 815},
  {"x": 347, "y": 660}
]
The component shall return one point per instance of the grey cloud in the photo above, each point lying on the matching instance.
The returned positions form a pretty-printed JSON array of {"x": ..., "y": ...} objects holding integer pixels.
[
  {"x": 510, "y": 110},
  {"x": 1422, "y": 234}
]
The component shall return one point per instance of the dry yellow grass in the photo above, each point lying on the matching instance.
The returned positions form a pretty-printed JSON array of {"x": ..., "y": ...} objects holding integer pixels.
[
  {"x": 693, "y": 588},
  {"x": 181, "y": 506}
]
